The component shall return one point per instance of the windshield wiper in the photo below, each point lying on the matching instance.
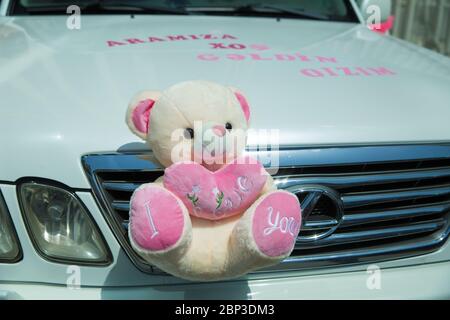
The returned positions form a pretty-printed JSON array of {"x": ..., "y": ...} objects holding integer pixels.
[
  {"x": 262, "y": 9},
  {"x": 118, "y": 7},
  {"x": 295, "y": 12}
]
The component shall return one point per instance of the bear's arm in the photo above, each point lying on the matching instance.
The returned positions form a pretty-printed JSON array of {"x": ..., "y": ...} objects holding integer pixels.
[
  {"x": 159, "y": 181},
  {"x": 269, "y": 186}
]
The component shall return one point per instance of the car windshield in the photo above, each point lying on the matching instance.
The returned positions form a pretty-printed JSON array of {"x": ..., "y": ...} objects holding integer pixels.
[{"x": 335, "y": 10}]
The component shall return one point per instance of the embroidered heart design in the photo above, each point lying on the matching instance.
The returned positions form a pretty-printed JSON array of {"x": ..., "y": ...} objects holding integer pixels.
[{"x": 220, "y": 194}]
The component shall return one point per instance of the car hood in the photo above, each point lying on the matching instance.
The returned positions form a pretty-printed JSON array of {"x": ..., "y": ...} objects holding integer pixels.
[{"x": 64, "y": 92}]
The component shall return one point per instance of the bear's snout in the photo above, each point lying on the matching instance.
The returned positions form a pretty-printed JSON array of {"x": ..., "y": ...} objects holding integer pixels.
[{"x": 219, "y": 130}]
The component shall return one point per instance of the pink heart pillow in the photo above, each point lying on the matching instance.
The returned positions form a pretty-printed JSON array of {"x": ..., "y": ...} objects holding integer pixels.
[{"x": 220, "y": 194}]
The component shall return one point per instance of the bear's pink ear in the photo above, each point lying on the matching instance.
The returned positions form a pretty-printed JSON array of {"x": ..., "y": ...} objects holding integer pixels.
[
  {"x": 243, "y": 103},
  {"x": 138, "y": 113}
]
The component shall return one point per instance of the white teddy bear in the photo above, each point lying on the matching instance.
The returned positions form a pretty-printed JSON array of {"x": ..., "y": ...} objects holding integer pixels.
[{"x": 215, "y": 214}]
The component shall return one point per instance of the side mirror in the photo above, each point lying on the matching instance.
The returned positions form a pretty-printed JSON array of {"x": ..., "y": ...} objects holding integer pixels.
[{"x": 377, "y": 14}]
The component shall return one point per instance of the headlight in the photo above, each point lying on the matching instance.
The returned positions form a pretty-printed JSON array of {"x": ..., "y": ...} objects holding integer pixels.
[
  {"x": 9, "y": 245},
  {"x": 60, "y": 227}
]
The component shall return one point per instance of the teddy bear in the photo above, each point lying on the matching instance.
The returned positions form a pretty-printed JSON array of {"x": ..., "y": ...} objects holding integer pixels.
[{"x": 216, "y": 213}]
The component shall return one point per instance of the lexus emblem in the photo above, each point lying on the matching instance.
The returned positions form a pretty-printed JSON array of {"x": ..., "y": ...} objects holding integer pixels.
[{"x": 322, "y": 211}]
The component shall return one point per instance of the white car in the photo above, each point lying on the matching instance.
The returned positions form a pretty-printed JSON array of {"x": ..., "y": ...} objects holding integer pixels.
[{"x": 362, "y": 120}]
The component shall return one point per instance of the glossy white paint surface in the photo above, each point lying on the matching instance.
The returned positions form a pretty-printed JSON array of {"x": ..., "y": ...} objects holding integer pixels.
[
  {"x": 64, "y": 92},
  {"x": 396, "y": 283}
]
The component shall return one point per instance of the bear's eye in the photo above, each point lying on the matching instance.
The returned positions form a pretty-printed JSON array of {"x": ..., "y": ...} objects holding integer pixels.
[
  {"x": 189, "y": 133},
  {"x": 228, "y": 126}
]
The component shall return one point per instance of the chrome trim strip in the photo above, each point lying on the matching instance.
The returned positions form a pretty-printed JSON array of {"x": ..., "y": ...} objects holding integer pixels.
[
  {"x": 311, "y": 225},
  {"x": 119, "y": 186},
  {"x": 121, "y": 205},
  {"x": 386, "y": 215},
  {"x": 410, "y": 194},
  {"x": 347, "y": 181},
  {"x": 289, "y": 157}
]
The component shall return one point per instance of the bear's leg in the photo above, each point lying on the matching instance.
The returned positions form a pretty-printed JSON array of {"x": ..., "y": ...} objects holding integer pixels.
[
  {"x": 267, "y": 231},
  {"x": 160, "y": 225}
]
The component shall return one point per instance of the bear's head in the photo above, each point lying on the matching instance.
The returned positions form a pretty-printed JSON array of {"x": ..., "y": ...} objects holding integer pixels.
[{"x": 198, "y": 121}]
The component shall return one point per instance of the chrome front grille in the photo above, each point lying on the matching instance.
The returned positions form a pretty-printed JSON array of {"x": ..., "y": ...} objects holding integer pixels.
[{"x": 396, "y": 199}]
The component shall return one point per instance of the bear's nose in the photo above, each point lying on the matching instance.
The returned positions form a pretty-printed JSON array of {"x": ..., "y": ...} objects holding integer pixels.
[{"x": 219, "y": 130}]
